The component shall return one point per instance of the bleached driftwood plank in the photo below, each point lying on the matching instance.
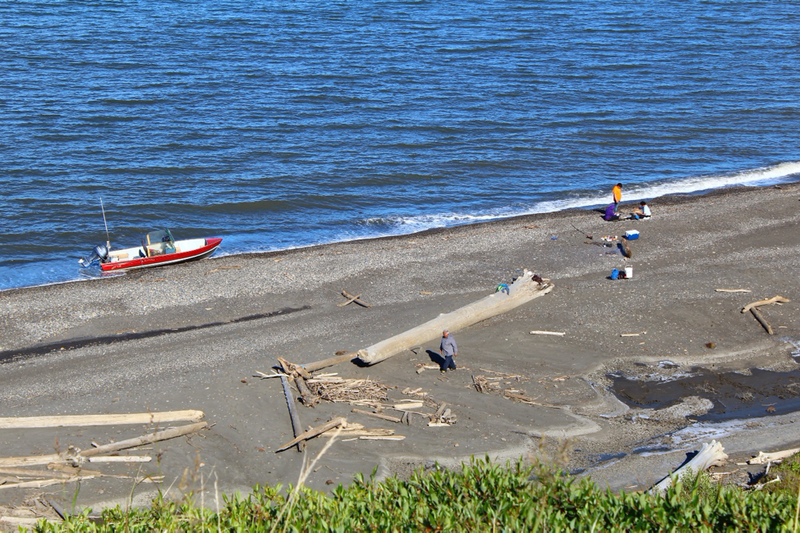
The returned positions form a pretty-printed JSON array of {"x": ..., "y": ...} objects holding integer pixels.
[{"x": 25, "y": 422}]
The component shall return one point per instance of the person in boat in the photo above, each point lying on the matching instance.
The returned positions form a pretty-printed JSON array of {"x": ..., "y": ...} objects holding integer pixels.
[
  {"x": 448, "y": 350},
  {"x": 643, "y": 211},
  {"x": 611, "y": 213}
]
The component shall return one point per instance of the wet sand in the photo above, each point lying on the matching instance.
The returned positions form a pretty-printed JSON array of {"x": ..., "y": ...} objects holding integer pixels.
[{"x": 192, "y": 336}]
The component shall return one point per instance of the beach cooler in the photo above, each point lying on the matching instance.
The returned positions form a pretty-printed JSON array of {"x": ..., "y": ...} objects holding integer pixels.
[{"x": 632, "y": 234}]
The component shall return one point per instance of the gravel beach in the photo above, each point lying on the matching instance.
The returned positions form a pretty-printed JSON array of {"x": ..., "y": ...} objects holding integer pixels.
[{"x": 193, "y": 336}]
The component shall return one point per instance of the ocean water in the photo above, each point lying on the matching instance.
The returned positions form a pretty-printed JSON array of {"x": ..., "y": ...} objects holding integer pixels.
[{"x": 283, "y": 124}]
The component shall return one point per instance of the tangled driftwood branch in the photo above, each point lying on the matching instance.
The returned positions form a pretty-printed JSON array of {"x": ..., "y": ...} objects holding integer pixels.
[{"x": 348, "y": 390}]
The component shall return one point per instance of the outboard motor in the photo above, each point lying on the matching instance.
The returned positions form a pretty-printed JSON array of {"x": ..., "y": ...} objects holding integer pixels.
[{"x": 99, "y": 254}]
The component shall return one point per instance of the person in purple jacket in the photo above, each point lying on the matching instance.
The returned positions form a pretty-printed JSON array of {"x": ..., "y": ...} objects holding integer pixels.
[
  {"x": 448, "y": 350},
  {"x": 611, "y": 213}
]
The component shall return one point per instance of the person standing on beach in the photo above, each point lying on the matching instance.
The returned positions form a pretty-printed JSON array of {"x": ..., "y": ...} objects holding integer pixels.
[
  {"x": 448, "y": 350},
  {"x": 616, "y": 195}
]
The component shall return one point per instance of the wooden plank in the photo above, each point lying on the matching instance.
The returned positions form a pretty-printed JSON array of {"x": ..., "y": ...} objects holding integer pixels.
[
  {"x": 296, "y": 428},
  {"x": 378, "y": 415},
  {"x": 414, "y": 404},
  {"x": 386, "y": 437},
  {"x": 732, "y": 290},
  {"x": 313, "y": 432},
  {"x": 25, "y": 422},
  {"x": 543, "y": 332},
  {"x": 121, "y": 459},
  {"x": 32, "y": 460}
]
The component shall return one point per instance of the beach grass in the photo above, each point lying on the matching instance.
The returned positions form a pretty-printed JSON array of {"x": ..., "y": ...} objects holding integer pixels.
[{"x": 481, "y": 496}]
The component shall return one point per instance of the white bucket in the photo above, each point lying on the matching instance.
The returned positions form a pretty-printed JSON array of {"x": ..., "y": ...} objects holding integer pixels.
[{"x": 628, "y": 272}]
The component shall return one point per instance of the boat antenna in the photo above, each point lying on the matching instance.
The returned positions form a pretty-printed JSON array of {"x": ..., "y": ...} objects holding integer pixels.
[{"x": 103, "y": 209}]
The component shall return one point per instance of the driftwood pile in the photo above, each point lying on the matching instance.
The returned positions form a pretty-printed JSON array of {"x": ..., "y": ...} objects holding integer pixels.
[
  {"x": 73, "y": 464},
  {"x": 336, "y": 389},
  {"x": 368, "y": 397}
]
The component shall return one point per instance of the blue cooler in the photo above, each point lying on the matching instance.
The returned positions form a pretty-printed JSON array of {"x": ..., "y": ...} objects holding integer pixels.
[{"x": 632, "y": 234}]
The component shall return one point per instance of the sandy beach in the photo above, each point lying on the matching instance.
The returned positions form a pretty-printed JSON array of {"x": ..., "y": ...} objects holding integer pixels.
[{"x": 193, "y": 336}]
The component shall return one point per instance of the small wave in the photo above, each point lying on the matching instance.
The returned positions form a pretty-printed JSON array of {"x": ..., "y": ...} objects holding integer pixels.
[{"x": 782, "y": 172}]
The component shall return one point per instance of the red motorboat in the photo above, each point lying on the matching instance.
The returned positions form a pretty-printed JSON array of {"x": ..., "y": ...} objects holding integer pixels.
[{"x": 158, "y": 248}]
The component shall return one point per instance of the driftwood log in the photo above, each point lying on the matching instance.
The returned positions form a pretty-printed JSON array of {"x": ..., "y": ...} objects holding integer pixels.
[
  {"x": 296, "y": 428},
  {"x": 764, "y": 458},
  {"x": 732, "y": 290},
  {"x": 25, "y": 422},
  {"x": 313, "y": 432},
  {"x": 768, "y": 301},
  {"x": 761, "y": 320},
  {"x": 710, "y": 454},
  {"x": 78, "y": 456},
  {"x": 521, "y": 291},
  {"x": 543, "y": 332},
  {"x": 353, "y": 298}
]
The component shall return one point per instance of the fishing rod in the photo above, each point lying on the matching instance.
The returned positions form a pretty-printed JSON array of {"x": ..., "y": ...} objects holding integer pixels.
[
  {"x": 581, "y": 231},
  {"x": 103, "y": 209}
]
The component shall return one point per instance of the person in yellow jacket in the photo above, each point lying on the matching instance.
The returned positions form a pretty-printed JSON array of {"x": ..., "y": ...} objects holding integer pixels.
[{"x": 616, "y": 195}]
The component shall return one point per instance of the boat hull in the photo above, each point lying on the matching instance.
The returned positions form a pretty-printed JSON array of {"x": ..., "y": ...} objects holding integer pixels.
[{"x": 120, "y": 262}]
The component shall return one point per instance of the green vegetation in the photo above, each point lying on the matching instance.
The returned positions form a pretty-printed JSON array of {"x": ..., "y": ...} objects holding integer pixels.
[{"x": 481, "y": 497}]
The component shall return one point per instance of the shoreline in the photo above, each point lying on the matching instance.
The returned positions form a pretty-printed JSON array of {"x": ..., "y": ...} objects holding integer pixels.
[
  {"x": 667, "y": 199},
  {"x": 729, "y": 238}
]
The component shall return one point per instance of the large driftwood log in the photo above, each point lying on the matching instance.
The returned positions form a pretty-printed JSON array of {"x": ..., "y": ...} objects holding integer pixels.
[
  {"x": 523, "y": 290},
  {"x": 296, "y": 428},
  {"x": 773, "y": 300},
  {"x": 710, "y": 454},
  {"x": 25, "y": 422}
]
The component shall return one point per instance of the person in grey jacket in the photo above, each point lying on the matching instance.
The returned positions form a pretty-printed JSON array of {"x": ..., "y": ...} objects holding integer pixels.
[{"x": 448, "y": 350}]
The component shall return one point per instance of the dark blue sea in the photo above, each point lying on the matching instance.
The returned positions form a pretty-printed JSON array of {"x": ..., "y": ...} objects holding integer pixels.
[{"x": 284, "y": 124}]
